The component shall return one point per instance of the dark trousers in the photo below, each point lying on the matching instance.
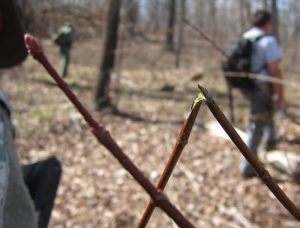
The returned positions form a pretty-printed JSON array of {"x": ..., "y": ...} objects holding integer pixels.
[
  {"x": 261, "y": 121},
  {"x": 42, "y": 180},
  {"x": 65, "y": 60}
]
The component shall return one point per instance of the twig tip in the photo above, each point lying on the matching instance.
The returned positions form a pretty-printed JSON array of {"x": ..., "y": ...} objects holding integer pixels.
[
  {"x": 205, "y": 93},
  {"x": 32, "y": 45},
  {"x": 199, "y": 99}
]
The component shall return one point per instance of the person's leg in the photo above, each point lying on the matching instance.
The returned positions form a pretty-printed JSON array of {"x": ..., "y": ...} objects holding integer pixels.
[
  {"x": 231, "y": 102},
  {"x": 42, "y": 180},
  {"x": 270, "y": 128},
  {"x": 65, "y": 62},
  {"x": 254, "y": 134},
  {"x": 270, "y": 136},
  {"x": 259, "y": 118}
]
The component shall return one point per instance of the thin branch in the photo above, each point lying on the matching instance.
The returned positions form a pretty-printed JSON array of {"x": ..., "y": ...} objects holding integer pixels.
[
  {"x": 261, "y": 171},
  {"x": 266, "y": 78},
  {"x": 182, "y": 141},
  {"x": 106, "y": 140}
]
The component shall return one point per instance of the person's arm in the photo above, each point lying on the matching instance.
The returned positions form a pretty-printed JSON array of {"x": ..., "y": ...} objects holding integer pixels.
[{"x": 275, "y": 72}]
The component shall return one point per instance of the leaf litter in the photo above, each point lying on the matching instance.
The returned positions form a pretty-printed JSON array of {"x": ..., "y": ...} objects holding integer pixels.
[{"x": 96, "y": 192}]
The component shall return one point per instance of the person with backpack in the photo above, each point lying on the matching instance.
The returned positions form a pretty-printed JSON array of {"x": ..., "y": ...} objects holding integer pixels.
[
  {"x": 64, "y": 39},
  {"x": 27, "y": 192},
  {"x": 257, "y": 52}
]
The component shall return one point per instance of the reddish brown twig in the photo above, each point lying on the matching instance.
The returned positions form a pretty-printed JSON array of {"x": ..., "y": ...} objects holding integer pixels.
[
  {"x": 261, "y": 171},
  {"x": 178, "y": 148},
  {"x": 106, "y": 140}
]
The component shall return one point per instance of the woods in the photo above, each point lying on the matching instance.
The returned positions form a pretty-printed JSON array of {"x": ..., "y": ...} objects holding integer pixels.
[{"x": 135, "y": 67}]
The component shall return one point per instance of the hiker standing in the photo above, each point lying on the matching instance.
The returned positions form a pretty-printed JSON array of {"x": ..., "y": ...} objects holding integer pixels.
[
  {"x": 64, "y": 39},
  {"x": 265, "y": 58},
  {"x": 27, "y": 193},
  {"x": 256, "y": 52}
]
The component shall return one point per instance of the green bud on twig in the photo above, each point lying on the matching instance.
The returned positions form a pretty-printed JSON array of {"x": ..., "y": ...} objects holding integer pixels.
[{"x": 199, "y": 98}]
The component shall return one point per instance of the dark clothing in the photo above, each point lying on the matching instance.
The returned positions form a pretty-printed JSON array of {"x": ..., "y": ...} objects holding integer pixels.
[
  {"x": 65, "y": 60},
  {"x": 261, "y": 120},
  {"x": 64, "y": 39},
  {"x": 42, "y": 180}
]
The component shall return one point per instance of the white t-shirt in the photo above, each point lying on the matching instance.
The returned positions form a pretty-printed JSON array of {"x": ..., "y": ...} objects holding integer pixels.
[{"x": 266, "y": 50}]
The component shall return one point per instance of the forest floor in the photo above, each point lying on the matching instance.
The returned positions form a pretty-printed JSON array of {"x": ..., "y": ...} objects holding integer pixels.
[{"x": 95, "y": 190}]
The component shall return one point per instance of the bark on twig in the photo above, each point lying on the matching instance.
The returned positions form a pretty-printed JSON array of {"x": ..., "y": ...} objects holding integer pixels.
[
  {"x": 177, "y": 151},
  {"x": 106, "y": 140},
  {"x": 261, "y": 171}
]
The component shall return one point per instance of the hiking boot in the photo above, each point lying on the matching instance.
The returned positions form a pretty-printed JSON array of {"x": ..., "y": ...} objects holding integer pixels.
[
  {"x": 247, "y": 171},
  {"x": 249, "y": 174},
  {"x": 271, "y": 145}
]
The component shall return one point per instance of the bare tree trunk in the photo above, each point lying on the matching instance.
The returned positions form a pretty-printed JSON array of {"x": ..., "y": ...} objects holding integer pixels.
[
  {"x": 296, "y": 32},
  {"x": 213, "y": 13},
  {"x": 242, "y": 14},
  {"x": 180, "y": 33},
  {"x": 102, "y": 98},
  {"x": 132, "y": 14},
  {"x": 275, "y": 19},
  {"x": 155, "y": 14},
  {"x": 155, "y": 10},
  {"x": 297, "y": 18},
  {"x": 265, "y": 3},
  {"x": 248, "y": 7},
  {"x": 200, "y": 10},
  {"x": 171, "y": 25}
]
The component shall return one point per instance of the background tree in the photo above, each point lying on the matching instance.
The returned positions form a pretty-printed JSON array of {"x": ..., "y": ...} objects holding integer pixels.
[
  {"x": 102, "y": 98},
  {"x": 154, "y": 15},
  {"x": 180, "y": 33},
  {"x": 171, "y": 25},
  {"x": 242, "y": 15},
  {"x": 213, "y": 17},
  {"x": 275, "y": 19},
  {"x": 295, "y": 9},
  {"x": 131, "y": 10},
  {"x": 245, "y": 13},
  {"x": 265, "y": 4}
]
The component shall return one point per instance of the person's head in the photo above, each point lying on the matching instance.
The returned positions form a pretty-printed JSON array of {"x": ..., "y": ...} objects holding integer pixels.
[{"x": 263, "y": 20}]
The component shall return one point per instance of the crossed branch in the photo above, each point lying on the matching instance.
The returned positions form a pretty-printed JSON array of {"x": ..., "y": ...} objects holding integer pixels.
[
  {"x": 106, "y": 140},
  {"x": 158, "y": 199}
]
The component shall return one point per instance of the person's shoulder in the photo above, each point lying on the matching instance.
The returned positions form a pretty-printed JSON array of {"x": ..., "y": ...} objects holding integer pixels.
[
  {"x": 272, "y": 48},
  {"x": 252, "y": 33},
  {"x": 269, "y": 40}
]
